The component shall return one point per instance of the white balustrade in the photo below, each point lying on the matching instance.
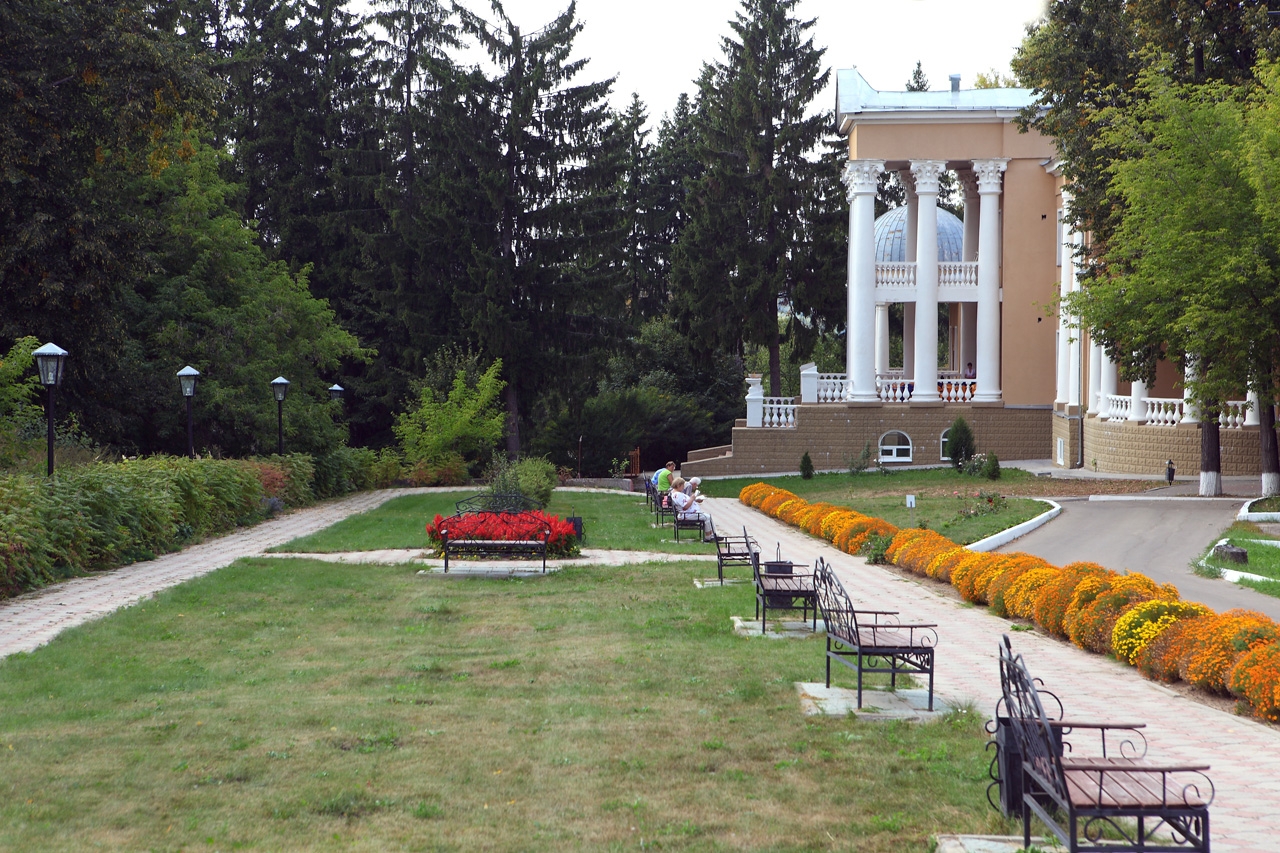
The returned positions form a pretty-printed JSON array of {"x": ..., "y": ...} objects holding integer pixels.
[
  {"x": 1118, "y": 407},
  {"x": 896, "y": 275},
  {"x": 1163, "y": 411},
  {"x": 832, "y": 387},
  {"x": 779, "y": 412},
  {"x": 894, "y": 389},
  {"x": 957, "y": 390},
  {"x": 957, "y": 274},
  {"x": 1233, "y": 414}
]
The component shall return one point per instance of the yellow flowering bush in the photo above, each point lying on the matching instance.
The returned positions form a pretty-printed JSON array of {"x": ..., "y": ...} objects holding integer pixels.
[{"x": 1137, "y": 628}]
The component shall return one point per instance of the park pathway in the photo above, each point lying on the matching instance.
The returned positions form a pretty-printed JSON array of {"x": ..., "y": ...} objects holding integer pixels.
[
  {"x": 1245, "y": 755},
  {"x": 29, "y": 621}
]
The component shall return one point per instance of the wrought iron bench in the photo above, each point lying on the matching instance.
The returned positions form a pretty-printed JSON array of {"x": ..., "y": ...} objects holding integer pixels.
[
  {"x": 780, "y": 587},
  {"x": 663, "y": 508},
  {"x": 733, "y": 550},
  {"x": 512, "y": 530},
  {"x": 870, "y": 641},
  {"x": 1080, "y": 799}
]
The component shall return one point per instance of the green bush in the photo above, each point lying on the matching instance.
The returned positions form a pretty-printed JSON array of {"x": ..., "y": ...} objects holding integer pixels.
[
  {"x": 299, "y": 470},
  {"x": 386, "y": 469},
  {"x": 991, "y": 467},
  {"x": 960, "y": 445},
  {"x": 343, "y": 470},
  {"x": 537, "y": 478},
  {"x": 806, "y": 467}
]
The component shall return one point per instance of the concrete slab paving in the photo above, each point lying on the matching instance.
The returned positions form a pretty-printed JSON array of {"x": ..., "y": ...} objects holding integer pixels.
[
  {"x": 779, "y": 629},
  {"x": 989, "y": 844},
  {"x": 878, "y": 702}
]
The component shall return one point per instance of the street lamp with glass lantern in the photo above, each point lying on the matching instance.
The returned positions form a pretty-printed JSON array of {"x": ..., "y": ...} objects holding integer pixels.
[
  {"x": 336, "y": 391},
  {"x": 280, "y": 387},
  {"x": 49, "y": 361},
  {"x": 187, "y": 377}
]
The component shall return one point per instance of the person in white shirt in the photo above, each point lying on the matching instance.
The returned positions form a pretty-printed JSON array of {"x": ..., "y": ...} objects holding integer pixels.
[{"x": 688, "y": 506}]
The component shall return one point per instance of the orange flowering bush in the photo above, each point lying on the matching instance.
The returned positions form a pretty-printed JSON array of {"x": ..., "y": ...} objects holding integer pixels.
[
  {"x": 918, "y": 550},
  {"x": 1019, "y": 597},
  {"x": 941, "y": 566},
  {"x": 1100, "y": 600},
  {"x": 1161, "y": 658},
  {"x": 857, "y": 535},
  {"x": 972, "y": 570},
  {"x": 1256, "y": 679},
  {"x": 774, "y": 501},
  {"x": 1143, "y": 622},
  {"x": 997, "y": 591},
  {"x": 755, "y": 494},
  {"x": 1054, "y": 597},
  {"x": 1217, "y": 643}
]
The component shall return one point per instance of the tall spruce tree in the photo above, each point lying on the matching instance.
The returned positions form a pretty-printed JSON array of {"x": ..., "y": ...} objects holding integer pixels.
[
  {"x": 545, "y": 289},
  {"x": 745, "y": 244}
]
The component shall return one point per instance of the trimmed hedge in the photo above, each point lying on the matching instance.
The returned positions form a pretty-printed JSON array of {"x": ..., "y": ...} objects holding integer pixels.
[
  {"x": 1129, "y": 616},
  {"x": 105, "y": 515}
]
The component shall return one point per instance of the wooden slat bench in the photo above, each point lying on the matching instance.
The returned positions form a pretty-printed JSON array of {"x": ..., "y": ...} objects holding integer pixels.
[
  {"x": 1088, "y": 802},
  {"x": 789, "y": 590},
  {"x": 733, "y": 550},
  {"x": 870, "y": 641}
]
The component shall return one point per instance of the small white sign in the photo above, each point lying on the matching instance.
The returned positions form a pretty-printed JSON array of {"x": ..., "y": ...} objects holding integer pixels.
[{"x": 911, "y": 501}]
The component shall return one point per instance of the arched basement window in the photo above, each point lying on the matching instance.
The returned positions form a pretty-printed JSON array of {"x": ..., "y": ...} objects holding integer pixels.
[
  {"x": 895, "y": 446},
  {"x": 942, "y": 443}
]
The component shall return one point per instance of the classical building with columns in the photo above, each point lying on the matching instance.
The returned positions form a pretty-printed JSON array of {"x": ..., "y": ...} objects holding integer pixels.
[{"x": 1026, "y": 379}]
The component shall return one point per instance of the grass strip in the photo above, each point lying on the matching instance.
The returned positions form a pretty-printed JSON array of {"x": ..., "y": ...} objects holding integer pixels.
[{"x": 305, "y": 705}]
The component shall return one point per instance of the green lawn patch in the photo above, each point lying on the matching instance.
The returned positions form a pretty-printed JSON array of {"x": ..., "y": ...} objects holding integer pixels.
[
  {"x": 611, "y": 521},
  {"x": 953, "y": 504},
  {"x": 305, "y": 705}
]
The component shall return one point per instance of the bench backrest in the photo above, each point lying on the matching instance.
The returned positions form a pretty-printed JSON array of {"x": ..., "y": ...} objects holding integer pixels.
[
  {"x": 1030, "y": 724},
  {"x": 833, "y": 601},
  {"x": 497, "y": 502}
]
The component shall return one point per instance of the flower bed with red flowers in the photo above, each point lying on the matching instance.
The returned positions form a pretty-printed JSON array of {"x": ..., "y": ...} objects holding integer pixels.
[
  {"x": 1130, "y": 616},
  {"x": 508, "y": 527}
]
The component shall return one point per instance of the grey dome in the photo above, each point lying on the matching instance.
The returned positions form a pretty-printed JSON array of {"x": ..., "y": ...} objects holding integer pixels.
[{"x": 891, "y": 236}]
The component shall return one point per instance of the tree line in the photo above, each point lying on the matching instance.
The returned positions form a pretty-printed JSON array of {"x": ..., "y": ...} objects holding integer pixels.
[{"x": 264, "y": 187}]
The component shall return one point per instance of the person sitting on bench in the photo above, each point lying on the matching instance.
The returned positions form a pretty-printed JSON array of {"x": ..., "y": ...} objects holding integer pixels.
[
  {"x": 662, "y": 479},
  {"x": 687, "y": 507}
]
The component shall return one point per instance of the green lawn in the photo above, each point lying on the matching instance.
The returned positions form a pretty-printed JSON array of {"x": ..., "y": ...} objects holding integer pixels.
[
  {"x": 944, "y": 498},
  {"x": 614, "y": 521},
  {"x": 1263, "y": 559},
  {"x": 294, "y": 704}
]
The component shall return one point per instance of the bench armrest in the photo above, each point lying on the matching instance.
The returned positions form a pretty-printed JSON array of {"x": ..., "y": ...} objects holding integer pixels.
[{"x": 1093, "y": 765}]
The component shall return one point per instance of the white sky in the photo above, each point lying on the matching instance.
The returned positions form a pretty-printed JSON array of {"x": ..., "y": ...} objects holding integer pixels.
[{"x": 657, "y": 47}]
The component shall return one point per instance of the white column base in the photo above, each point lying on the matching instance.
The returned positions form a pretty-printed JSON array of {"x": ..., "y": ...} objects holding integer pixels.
[{"x": 1210, "y": 484}]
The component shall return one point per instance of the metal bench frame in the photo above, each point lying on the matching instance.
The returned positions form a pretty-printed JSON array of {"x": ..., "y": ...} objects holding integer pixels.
[
  {"x": 869, "y": 641},
  {"x": 733, "y": 550},
  {"x": 1080, "y": 798},
  {"x": 533, "y": 532},
  {"x": 792, "y": 591}
]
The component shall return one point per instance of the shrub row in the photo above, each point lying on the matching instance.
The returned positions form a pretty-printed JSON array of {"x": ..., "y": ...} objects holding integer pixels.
[
  {"x": 1130, "y": 616},
  {"x": 105, "y": 515}
]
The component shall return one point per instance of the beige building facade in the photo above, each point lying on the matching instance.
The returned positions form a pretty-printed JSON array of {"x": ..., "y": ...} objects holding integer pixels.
[{"x": 1027, "y": 380}]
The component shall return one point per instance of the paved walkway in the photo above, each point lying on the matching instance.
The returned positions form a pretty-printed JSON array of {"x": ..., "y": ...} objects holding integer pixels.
[{"x": 1245, "y": 755}]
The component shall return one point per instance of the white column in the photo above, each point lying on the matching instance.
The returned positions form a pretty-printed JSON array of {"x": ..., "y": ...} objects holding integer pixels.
[
  {"x": 969, "y": 254},
  {"x": 882, "y": 337},
  {"x": 926, "y": 174},
  {"x": 989, "y": 173},
  {"x": 1106, "y": 385},
  {"x": 1095, "y": 376},
  {"x": 1190, "y": 414},
  {"x": 755, "y": 401},
  {"x": 860, "y": 182},
  {"x": 1137, "y": 408},
  {"x": 1251, "y": 415},
  {"x": 809, "y": 383}
]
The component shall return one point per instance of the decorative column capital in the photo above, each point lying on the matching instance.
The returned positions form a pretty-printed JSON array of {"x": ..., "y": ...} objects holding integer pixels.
[
  {"x": 860, "y": 177},
  {"x": 969, "y": 183},
  {"x": 988, "y": 173},
  {"x": 927, "y": 174}
]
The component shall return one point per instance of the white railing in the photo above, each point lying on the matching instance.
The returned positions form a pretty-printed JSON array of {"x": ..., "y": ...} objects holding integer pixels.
[
  {"x": 1163, "y": 411},
  {"x": 780, "y": 412},
  {"x": 832, "y": 387},
  {"x": 896, "y": 275},
  {"x": 1119, "y": 406},
  {"x": 958, "y": 274},
  {"x": 894, "y": 390},
  {"x": 1233, "y": 414},
  {"x": 957, "y": 390}
]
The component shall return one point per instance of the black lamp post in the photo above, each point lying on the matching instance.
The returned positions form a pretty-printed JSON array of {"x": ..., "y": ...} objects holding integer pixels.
[
  {"x": 336, "y": 391},
  {"x": 280, "y": 387},
  {"x": 49, "y": 360},
  {"x": 187, "y": 377}
]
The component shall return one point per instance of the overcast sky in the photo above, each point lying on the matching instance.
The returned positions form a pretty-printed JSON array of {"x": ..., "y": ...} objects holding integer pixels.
[{"x": 656, "y": 47}]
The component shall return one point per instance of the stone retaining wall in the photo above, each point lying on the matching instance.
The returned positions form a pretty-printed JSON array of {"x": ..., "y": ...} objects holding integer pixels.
[{"x": 1121, "y": 447}]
